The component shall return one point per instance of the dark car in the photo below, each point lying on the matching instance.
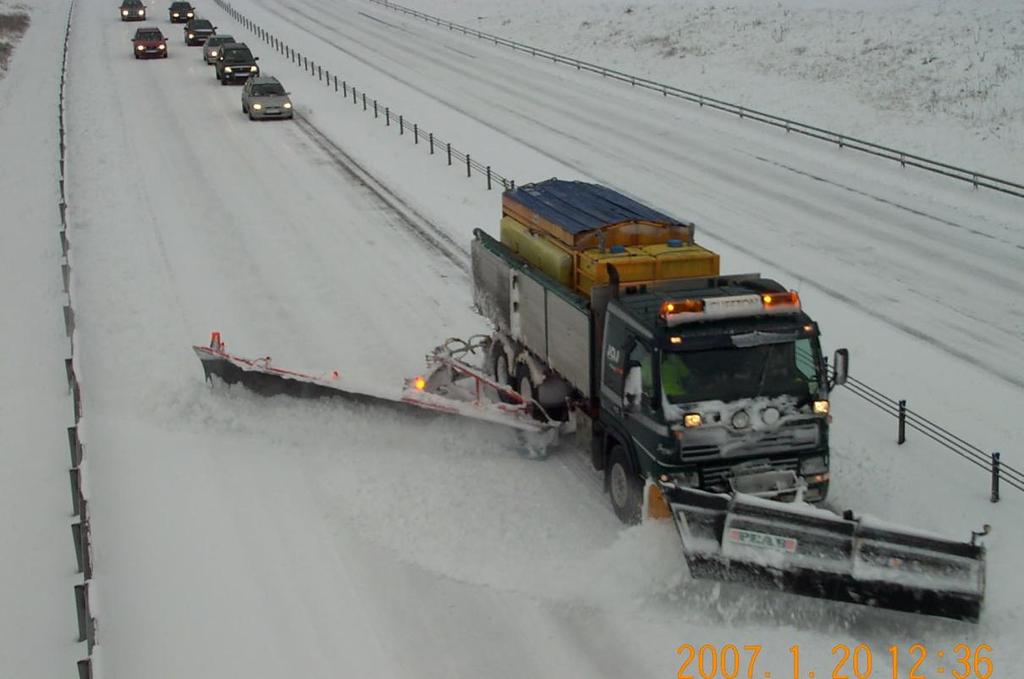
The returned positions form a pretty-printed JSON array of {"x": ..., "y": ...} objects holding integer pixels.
[
  {"x": 148, "y": 43},
  {"x": 235, "y": 63},
  {"x": 133, "y": 10},
  {"x": 180, "y": 12},
  {"x": 197, "y": 31}
]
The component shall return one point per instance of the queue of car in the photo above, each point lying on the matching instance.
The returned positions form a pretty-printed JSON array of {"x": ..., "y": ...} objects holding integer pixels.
[{"x": 262, "y": 96}]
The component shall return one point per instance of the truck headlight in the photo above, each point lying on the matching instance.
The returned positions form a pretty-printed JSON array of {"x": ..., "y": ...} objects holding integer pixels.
[
  {"x": 139, "y": 47},
  {"x": 253, "y": 69},
  {"x": 287, "y": 104},
  {"x": 257, "y": 107},
  {"x": 191, "y": 36},
  {"x": 227, "y": 69},
  {"x": 142, "y": 12},
  {"x": 692, "y": 420},
  {"x": 161, "y": 47},
  {"x": 741, "y": 420},
  {"x": 820, "y": 407},
  {"x": 124, "y": 12},
  {"x": 175, "y": 15},
  {"x": 213, "y": 53}
]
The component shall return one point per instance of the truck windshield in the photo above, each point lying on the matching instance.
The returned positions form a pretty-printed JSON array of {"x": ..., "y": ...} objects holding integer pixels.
[{"x": 733, "y": 373}]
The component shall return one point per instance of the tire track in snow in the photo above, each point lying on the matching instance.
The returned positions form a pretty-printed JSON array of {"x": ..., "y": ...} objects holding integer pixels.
[{"x": 428, "y": 232}]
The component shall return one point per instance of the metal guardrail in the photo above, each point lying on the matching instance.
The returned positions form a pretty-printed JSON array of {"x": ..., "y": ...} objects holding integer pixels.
[
  {"x": 905, "y": 417},
  {"x": 348, "y": 91},
  {"x": 905, "y": 159},
  {"x": 81, "y": 529}
]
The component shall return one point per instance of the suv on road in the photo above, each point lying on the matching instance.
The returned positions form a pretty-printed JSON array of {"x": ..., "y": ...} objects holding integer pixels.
[
  {"x": 198, "y": 31},
  {"x": 264, "y": 97},
  {"x": 180, "y": 12},
  {"x": 235, "y": 63},
  {"x": 149, "y": 42},
  {"x": 132, "y": 10}
]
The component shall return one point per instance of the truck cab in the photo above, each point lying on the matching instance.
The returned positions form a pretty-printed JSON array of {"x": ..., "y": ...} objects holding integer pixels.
[{"x": 717, "y": 384}]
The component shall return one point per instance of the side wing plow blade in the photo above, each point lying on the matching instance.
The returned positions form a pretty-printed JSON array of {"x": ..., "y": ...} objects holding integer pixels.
[{"x": 813, "y": 552}]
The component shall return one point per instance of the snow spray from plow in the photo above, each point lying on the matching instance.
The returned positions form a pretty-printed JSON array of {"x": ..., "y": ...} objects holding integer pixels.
[{"x": 791, "y": 547}]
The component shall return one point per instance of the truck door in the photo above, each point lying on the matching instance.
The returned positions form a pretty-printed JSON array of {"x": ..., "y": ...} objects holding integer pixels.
[
  {"x": 641, "y": 415},
  {"x": 632, "y": 403}
]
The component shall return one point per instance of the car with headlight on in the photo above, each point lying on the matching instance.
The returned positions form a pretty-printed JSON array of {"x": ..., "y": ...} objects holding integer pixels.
[
  {"x": 211, "y": 48},
  {"x": 198, "y": 31},
  {"x": 149, "y": 42},
  {"x": 236, "y": 63},
  {"x": 180, "y": 12},
  {"x": 132, "y": 10},
  {"x": 264, "y": 97}
]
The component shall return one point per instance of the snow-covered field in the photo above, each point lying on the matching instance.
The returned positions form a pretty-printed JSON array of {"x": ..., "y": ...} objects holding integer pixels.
[{"x": 238, "y": 536}]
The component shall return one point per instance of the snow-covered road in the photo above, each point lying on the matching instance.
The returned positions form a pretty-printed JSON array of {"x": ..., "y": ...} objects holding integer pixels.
[{"x": 266, "y": 537}]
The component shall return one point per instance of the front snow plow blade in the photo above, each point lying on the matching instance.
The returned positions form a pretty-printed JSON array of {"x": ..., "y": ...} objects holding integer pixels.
[{"x": 813, "y": 552}]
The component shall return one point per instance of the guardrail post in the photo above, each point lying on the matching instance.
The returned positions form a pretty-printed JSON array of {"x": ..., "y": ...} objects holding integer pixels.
[
  {"x": 364, "y": 99},
  {"x": 469, "y": 169},
  {"x": 69, "y": 320},
  {"x": 995, "y": 477},
  {"x": 901, "y": 438},
  {"x": 320, "y": 72},
  {"x": 431, "y": 143},
  {"x": 401, "y": 124},
  {"x": 335, "y": 83},
  {"x": 416, "y": 133},
  {"x": 328, "y": 74},
  {"x": 76, "y": 535},
  {"x": 64, "y": 242},
  {"x": 65, "y": 275},
  {"x": 69, "y": 372},
  {"x": 488, "y": 177},
  {"x": 76, "y": 491},
  {"x": 387, "y": 116},
  {"x": 74, "y": 447},
  {"x": 449, "y": 145},
  {"x": 375, "y": 109},
  {"x": 85, "y": 668}
]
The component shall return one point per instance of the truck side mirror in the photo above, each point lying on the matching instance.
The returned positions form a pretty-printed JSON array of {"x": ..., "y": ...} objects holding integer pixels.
[
  {"x": 841, "y": 365},
  {"x": 632, "y": 389}
]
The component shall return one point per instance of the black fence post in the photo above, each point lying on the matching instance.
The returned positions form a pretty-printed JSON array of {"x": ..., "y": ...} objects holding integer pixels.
[
  {"x": 995, "y": 477},
  {"x": 449, "y": 145},
  {"x": 387, "y": 116},
  {"x": 902, "y": 437},
  {"x": 82, "y": 606},
  {"x": 335, "y": 83},
  {"x": 85, "y": 668},
  {"x": 69, "y": 372},
  {"x": 415, "y": 133},
  {"x": 431, "y": 143},
  {"x": 375, "y": 114},
  {"x": 320, "y": 73},
  {"x": 401, "y": 124},
  {"x": 488, "y": 177},
  {"x": 469, "y": 169},
  {"x": 364, "y": 99},
  {"x": 344, "y": 88}
]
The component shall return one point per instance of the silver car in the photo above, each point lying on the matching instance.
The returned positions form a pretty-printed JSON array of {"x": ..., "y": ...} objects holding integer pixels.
[
  {"x": 211, "y": 48},
  {"x": 264, "y": 97}
]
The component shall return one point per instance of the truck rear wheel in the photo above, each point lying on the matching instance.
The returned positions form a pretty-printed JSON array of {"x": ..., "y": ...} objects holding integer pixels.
[
  {"x": 624, "y": 487},
  {"x": 524, "y": 383},
  {"x": 499, "y": 368}
]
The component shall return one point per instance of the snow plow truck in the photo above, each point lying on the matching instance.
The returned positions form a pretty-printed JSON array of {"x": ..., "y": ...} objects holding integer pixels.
[{"x": 703, "y": 398}]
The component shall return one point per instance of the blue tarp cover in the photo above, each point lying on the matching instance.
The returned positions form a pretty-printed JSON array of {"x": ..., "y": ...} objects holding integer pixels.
[{"x": 578, "y": 206}]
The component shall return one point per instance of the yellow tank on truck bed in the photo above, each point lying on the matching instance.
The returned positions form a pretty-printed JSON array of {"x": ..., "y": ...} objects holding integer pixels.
[{"x": 570, "y": 230}]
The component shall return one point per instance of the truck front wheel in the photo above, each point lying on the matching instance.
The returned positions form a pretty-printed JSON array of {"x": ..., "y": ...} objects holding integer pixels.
[
  {"x": 625, "y": 488},
  {"x": 524, "y": 383}
]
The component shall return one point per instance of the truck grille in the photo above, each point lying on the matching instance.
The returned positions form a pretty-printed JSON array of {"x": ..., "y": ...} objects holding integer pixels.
[
  {"x": 786, "y": 440},
  {"x": 717, "y": 476}
]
